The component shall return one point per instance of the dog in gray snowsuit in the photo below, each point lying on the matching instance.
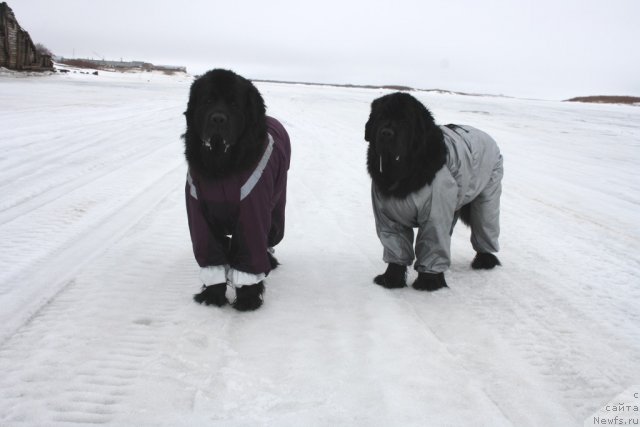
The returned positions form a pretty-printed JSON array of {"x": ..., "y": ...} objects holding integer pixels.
[{"x": 427, "y": 176}]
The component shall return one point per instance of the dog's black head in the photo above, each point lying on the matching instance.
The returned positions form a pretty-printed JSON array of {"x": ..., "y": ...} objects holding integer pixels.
[
  {"x": 406, "y": 147},
  {"x": 226, "y": 124}
]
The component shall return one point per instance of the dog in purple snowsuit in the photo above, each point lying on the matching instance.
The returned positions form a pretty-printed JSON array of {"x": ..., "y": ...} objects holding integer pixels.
[{"x": 236, "y": 187}]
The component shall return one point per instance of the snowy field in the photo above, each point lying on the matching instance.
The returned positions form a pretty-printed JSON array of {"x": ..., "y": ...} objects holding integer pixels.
[{"x": 97, "y": 324}]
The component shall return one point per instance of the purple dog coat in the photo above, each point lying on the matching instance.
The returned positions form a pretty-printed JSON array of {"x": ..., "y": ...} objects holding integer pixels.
[{"x": 234, "y": 220}]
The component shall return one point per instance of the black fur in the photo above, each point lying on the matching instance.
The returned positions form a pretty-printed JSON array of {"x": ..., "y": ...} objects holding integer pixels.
[
  {"x": 429, "y": 282},
  {"x": 395, "y": 277},
  {"x": 417, "y": 140},
  {"x": 212, "y": 295},
  {"x": 484, "y": 261},
  {"x": 221, "y": 93},
  {"x": 274, "y": 261},
  {"x": 465, "y": 215},
  {"x": 249, "y": 298}
]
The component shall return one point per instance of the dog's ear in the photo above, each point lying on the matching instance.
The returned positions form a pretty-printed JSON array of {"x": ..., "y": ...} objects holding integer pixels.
[
  {"x": 368, "y": 130},
  {"x": 432, "y": 138},
  {"x": 255, "y": 104},
  {"x": 370, "y": 125},
  {"x": 191, "y": 103},
  {"x": 255, "y": 115},
  {"x": 424, "y": 120}
]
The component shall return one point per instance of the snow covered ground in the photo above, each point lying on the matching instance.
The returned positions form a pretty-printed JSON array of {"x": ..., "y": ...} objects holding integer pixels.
[{"x": 97, "y": 325}]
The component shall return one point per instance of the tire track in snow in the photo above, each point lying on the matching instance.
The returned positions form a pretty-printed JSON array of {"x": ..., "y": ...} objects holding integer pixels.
[
  {"x": 105, "y": 336},
  {"x": 40, "y": 181},
  {"x": 566, "y": 345},
  {"x": 102, "y": 183},
  {"x": 74, "y": 142},
  {"x": 60, "y": 259}
]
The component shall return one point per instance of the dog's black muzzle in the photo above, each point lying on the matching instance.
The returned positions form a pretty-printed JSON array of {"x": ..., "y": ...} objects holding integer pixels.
[
  {"x": 386, "y": 144},
  {"x": 215, "y": 134},
  {"x": 218, "y": 119},
  {"x": 386, "y": 133}
]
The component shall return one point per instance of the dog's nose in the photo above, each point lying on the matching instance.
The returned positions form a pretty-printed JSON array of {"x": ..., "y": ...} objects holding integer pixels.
[
  {"x": 219, "y": 118},
  {"x": 387, "y": 133}
]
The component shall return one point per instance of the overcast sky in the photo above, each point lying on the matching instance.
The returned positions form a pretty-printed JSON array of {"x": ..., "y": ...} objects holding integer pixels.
[{"x": 548, "y": 49}]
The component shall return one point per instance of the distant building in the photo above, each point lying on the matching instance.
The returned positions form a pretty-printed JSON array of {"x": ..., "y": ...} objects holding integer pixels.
[{"x": 17, "y": 51}]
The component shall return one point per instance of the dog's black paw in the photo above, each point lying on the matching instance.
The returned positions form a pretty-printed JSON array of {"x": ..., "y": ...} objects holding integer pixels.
[
  {"x": 395, "y": 277},
  {"x": 273, "y": 261},
  {"x": 249, "y": 297},
  {"x": 212, "y": 295},
  {"x": 429, "y": 282},
  {"x": 484, "y": 261}
]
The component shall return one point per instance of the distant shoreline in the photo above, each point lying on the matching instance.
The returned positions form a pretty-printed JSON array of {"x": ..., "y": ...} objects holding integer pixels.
[
  {"x": 599, "y": 99},
  {"x": 607, "y": 99},
  {"x": 595, "y": 99}
]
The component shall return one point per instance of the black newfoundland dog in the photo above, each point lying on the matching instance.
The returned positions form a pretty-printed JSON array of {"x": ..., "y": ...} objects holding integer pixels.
[
  {"x": 236, "y": 187},
  {"x": 426, "y": 176}
]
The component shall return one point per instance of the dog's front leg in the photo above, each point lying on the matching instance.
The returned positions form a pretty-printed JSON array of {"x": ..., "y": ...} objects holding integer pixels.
[
  {"x": 484, "y": 261},
  {"x": 212, "y": 295},
  {"x": 249, "y": 297},
  {"x": 429, "y": 282},
  {"x": 394, "y": 277}
]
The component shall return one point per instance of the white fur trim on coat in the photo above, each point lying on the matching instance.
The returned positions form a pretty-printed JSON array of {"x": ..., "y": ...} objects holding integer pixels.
[
  {"x": 214, "y": 275},
  {"x": 238, "y": 279}
]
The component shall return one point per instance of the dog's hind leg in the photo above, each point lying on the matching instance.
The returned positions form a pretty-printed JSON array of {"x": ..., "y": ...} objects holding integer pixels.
[{"x": 485, "y": 222}]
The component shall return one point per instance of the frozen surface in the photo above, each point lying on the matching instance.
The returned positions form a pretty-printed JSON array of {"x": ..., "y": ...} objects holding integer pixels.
[{"x": 97, "y": 325}]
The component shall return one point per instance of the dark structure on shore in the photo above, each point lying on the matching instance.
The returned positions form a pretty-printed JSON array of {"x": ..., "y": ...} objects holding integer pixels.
[
  {"x": 103, "y": 64},
  {"x": 17, "y": 51}
]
